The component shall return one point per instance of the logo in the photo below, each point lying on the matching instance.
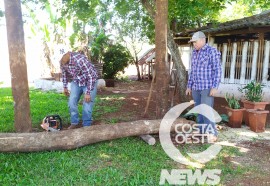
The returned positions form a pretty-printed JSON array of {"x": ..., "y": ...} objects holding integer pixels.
[
  {"x": 196, "y": 159},
  {"x": 165, "y": 131}
]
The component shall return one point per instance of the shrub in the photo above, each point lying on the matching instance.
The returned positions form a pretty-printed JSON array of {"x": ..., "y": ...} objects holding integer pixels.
[
  {"x": 253, "y": 91},
  {"x": 115, "y": 59}
]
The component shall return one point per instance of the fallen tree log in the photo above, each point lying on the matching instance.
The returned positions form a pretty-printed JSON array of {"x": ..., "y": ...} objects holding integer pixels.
[{"x": 72, "y": 139}]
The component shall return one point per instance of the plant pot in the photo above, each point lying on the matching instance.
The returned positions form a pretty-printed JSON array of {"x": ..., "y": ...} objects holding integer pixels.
[
  {"x": 235, "y": 117},
  {"x": 257, "y": 119},
  {"x": 252, "y": 105},
  {"x": 109, "y": 82}
]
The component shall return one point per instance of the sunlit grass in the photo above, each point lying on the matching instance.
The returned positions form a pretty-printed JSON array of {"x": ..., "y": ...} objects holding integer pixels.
[
  {"x": 128, "y": 161},
  {"x": 47, "y": 103}
]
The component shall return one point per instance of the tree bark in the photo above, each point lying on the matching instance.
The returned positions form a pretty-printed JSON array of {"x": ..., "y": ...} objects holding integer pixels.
[
  {"x": 162, "y": 70},
  {"x": 138, "y": 68},
  {"x": 180, "y": 68},
  {"x": 72, "y": 139},
  {"x": 18, "y": 68}
]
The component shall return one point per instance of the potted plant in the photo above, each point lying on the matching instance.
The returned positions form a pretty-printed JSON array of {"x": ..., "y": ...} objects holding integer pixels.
[
  {"x": 257, "y": 119},
  {"x": 234, "y": 111},
  {"x": 253, "y": 93}
]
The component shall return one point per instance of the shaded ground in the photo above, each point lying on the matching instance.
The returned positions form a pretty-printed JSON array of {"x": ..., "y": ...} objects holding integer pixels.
[
  {"x": 255, "y": 148},
  {"x": 136, "y": 97}
]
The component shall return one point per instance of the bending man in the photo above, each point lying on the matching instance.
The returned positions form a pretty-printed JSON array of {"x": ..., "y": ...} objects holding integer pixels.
[{"x": 82, "y": 76}]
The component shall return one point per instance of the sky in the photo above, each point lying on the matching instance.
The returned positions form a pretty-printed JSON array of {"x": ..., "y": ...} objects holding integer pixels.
[
  {"x": 4, "y": 65},
  {"x": 32, "y": 57},
  {"x": 32, "y": 54}
]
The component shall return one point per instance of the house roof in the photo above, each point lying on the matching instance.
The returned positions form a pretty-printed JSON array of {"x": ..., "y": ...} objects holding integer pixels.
[
  {"x": 244, "y": 25},
  {"x": 146, "y": 55},
  {"x": 259, "y": 20}
]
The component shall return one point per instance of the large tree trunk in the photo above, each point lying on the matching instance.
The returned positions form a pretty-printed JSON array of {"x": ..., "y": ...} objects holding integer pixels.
[
  {"x": 72, "y": 139},
  {"x": 181, "y": 70},
  {"x": 162, "y": 70},
  {"x": 18, "y": 66}
]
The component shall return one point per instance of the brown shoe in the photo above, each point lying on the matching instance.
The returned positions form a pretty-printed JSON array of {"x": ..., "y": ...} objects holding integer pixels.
[{"x": 73, "y": 127}]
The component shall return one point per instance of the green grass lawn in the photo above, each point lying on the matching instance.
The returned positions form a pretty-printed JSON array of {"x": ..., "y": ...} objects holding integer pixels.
[
  {"x": 47, "y": 103},
  {"x": 126, "y": 161}
]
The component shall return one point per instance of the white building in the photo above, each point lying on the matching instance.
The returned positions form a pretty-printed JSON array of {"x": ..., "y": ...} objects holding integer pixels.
[{"x": 245, "y": 48}]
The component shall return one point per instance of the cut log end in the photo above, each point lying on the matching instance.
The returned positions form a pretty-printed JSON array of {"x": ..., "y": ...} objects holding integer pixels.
[{"x": 148, "y": 139}]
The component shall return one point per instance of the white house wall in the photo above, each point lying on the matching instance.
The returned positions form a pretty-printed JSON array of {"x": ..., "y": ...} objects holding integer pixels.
[
  {"x": 185, "y": 56},
  {"x": 265, "y": 63},
  {"x": 242, "y": 63},
  {"x": 233, "y": 89}
]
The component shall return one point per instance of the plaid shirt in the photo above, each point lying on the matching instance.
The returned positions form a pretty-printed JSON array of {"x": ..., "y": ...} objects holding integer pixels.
[
  {"x": 79, "y": 70},
  {"x": 205, "y": 69}
]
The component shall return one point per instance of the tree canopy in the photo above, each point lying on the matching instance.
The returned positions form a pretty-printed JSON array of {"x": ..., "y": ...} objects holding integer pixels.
[
  {"x": 134, "y": 18},
  {"x": 91, "y": 15},
  {"x": 242, "y": 8}
]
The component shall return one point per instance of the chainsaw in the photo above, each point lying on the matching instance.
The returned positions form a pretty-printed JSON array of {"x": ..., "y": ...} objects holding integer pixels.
[{"x": 54, "y": 121}]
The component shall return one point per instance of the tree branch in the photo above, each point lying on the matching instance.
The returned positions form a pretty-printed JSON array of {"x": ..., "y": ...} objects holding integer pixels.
[{"x": 149, "y": 7}]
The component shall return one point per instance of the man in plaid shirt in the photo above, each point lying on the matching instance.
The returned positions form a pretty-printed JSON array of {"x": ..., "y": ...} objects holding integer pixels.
[
  {"x": 204, "y": 77},
  {"x": 82, "y": 76}
]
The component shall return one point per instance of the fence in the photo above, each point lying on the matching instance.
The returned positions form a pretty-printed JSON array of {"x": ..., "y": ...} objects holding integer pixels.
[{"x": 245, "y": 61}]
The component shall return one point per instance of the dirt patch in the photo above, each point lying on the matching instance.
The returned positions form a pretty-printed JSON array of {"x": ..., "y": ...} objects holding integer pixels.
[
  {"x": 255, "y": 148},
  {"x": 136, "y": 94}
]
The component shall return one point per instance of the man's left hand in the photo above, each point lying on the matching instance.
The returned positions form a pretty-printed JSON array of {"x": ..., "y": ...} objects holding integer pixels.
[
  {"x": 213, "y": 91},
  {"x": 87, "y": 98}
]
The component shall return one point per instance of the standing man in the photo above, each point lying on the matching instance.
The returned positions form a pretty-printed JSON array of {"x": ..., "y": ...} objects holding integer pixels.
[
  {"x": 82, "y": 76},
  {"x": 204, "y": 78}
]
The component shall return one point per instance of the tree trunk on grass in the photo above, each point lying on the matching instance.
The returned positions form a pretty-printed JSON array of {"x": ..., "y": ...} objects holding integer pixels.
[
  {"x": 18, "y": 68},
  {"x": 72, "y": 139}
]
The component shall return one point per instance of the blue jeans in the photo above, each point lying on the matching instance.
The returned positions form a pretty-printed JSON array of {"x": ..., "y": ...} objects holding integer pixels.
[
  {"x": 75, "y": 94},
  {"x": 202, "y": 97}
]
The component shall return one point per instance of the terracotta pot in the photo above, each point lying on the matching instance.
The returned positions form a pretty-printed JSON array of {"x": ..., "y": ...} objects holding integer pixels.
[
  {"x": 257, "y": 119},
  {"x": 235, "y": 117},
  {"x": 252, "y": 105}
]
